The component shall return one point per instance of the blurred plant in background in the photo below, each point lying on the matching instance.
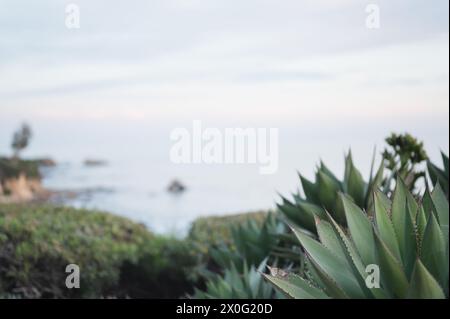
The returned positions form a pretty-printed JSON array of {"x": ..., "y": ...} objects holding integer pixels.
[
  {"x": 232, "y": 270},
  {"x": 21, "y": 139},
  {"x": 251, "y": 243},
  {"x": 37, "y": 242},
  {"x": 403, "y": 158},
  {"x": 234, "y": 284}
]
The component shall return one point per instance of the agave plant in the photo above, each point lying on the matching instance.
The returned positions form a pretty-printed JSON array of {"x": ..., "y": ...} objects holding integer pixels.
[
  {"x": 438, "y": 175},
  {"x": 234, "y": 284},
  {"x": 251, "y": 243},
  {"x": 407, "y": 241},
  {"x": 323, "y": 195}
]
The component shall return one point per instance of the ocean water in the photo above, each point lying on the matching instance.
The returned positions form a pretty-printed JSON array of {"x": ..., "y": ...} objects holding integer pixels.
[{"x": 138, "y": 170}]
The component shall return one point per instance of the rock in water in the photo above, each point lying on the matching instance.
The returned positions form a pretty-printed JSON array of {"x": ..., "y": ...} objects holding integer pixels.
[
  {"x": 176, "y": 187},
  {"x": 94, "y": 162}
]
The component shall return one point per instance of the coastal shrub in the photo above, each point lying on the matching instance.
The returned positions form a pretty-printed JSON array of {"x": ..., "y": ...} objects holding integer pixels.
[
  {"x": 12, "y": 168},
  {"x": 166, "y": 270},
  {"x": 37, "y": 242}
]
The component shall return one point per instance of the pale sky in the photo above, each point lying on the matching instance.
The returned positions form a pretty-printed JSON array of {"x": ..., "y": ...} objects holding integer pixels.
[{"x": 286, "y": 60}]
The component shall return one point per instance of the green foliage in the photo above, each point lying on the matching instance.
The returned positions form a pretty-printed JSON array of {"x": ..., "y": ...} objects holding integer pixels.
[
  {"x": 323, "y": 195},
  {"x": 251, "y": 243},
  {"x": 12, "y": 168},
  {"x": 406, "y": 239},
  {"x": 403, "y": 156},
  {"x": 210, "y": 234},
  {"x": 439, "y": 176},
  {"x": 216, "y": 230},
  {"x": 234, "y": 284},
  {"x": 165, "y": 270},
  {"x": 233, "y": 272},
  {"x": 113, "y": 253}
]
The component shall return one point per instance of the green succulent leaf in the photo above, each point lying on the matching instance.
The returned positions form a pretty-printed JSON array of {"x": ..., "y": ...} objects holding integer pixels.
[
  {"x": 328, "y": 191},
  {"x": 294, "y": 286},
  {"x": 385, "y": 227},
  {"x": 354, "y": 261},
  {"x": 310, "y": 190},
  {"x": 329, "y": 239},
  {"x": 423, "y": 285},
  {"x": 404, "y": 227},
  {"x": 438, "y": 176},
  {"x": 335, "y": 268},
  {"x": 445, "y": 161},
  {"x": 434, "y": 253},
  {"x": 441, "y": 204},
  {"x": 374, "y": 186},
  {"x": 391, "y": 271},
  {"x": 421, "y": 222},
  {"x": 330, "y": 285},
  {"x": 360, "y": 229},
  {"x": 324, "y": 169},
  {"x": 354, "y": 184},
  {"x": 299, "y": 215}
]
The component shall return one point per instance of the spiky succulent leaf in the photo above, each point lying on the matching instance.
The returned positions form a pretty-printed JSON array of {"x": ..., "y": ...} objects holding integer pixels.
[
  {"x": 329, "y": 239},
  {"x": 360, "y": 229},
  {"x": 234, "y": 284},
  {"x": 441, "y": 205},
  {"x": 310, "y": 190},
  {"x": 330, "y": 174},
  {"x": 328, "y": 191},
  {"x": 423, "y": 285},
  {"x": 294, "y": 286},
  {"x": 433, "y": 251},
  {"x": 373, "y": 186},
  {"x": 354, "y": 184},
  {"x": 354, "y": 260},
  {"x": 298, "y": 214},
  {"x": 440, "y": 176},
  {"x": 391, "y": 271},
  {"x": 327, "y": 262},
  {"x": 385, "y": 228},
  {"x": 404, "y": 227}
]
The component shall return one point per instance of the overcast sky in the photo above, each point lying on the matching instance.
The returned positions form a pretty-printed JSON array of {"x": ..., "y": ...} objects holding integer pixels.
[{"x": 289, "y": 60}]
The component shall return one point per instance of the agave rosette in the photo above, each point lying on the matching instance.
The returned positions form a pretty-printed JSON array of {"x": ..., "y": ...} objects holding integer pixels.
[{"x": 406, "y": 240}]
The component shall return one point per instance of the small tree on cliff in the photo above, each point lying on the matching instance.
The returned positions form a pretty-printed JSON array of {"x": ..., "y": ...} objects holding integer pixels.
[{"x": 21, "y": 139}]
